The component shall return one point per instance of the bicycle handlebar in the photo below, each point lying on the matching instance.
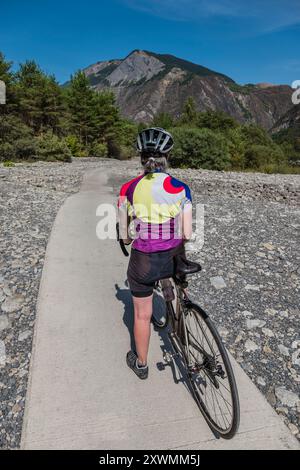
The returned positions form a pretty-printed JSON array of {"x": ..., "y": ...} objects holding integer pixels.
[{"x": 121, "y": 242}]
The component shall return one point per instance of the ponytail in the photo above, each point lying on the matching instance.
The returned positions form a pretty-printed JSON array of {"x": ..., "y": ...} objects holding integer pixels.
[{"x": 152, "y": 162}]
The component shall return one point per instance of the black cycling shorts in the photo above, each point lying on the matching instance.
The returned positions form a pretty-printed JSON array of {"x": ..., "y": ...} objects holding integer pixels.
[{"x": 145, "y": 269}]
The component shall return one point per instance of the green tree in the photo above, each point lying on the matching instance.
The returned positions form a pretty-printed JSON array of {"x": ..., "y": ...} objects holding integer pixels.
[
  {"x": 255, "y": 135},
  {"x": 216, "y": 121},
  {"x": 80, "y": 96},
  {"x": 164, "y": 120},
  {"x": 16, "y": 139},
  {"x": 200, "y": 148},
  {"x": 40, "y": 98},
  {"x": 106, "y": 121},
  {"x": 189, "y": 114}
]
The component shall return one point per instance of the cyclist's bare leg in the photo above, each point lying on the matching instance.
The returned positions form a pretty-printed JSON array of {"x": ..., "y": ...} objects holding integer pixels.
[{"x": 142, "y": 319}]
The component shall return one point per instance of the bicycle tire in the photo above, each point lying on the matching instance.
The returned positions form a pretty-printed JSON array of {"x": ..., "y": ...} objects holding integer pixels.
[{"x": 229, "y": 433}]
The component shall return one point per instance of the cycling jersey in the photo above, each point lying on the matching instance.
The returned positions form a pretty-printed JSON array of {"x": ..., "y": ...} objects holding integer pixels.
[{"x": 154, "y": 201}]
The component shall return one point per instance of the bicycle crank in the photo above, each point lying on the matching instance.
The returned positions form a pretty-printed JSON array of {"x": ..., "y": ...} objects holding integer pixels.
[{"x": 168, "y": 357}]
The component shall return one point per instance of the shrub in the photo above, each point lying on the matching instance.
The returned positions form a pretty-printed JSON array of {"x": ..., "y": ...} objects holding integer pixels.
[
  {"x": 126, "y": 153},
  {"x": 163, "y": 119},
  {"x": 199, "y": 148},
  {"x": 6, "y": 151},
  {"x": 51, "y": 148},
  {"x": 236, "y": 147},
  {"x": 114, "y": 148},
  {"x": 99, "y": 149},
  {"x": 12, "y": 128},
  {"x": 262, "y": 156},
  {"x": 127, "y": 132},
  {"x": 255, "y": 135},
  {"x": 25, "y": 148},
  {"x": 75, "y": 146},
  {"x": 216, "y": 121},
  {"x": 8, "y": 164}
]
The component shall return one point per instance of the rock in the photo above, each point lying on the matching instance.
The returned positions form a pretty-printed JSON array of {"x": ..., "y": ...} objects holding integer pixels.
[
  {"x": 270, "y": 311},
  {"x": 270, "y": 396},
  {"x": 247, "y": 314},
  {"x": 12, "y": 304},
  {"x": 251, "y": 346},
  {"x": 24, "y": 335},
  {"x": 23, "y": 373},
  {"x": 250, "y": 324},
  {"x": 267, "y": 349},
  {"x": 4, "y": 323},
  {"x": 284, "y": 313},
  {"x": 286, "y": 397},
  {"x": 294, "y": 430},
  {"x": 16, "y": 408},
  {"x": 252, "y": 287},
  {"x": 268, "y": 332},
  {"x": 261, "y": 381},
  {"x": 223, "y": 332},
  {"x": 296, "y": 358},
  {"x": 2, "y": 295},
  {"x": 282, "y": 410},
  {"x": 239, "y": 264},
  {"x": 218, "y": 282},
  {"x": 238, "y": 338},
  {"x": 296, "y": 344},
  {"x": 2, "y": 353},
  {"x": 284, "y": 350},
  {"x": 7, "y": 290},
  {"x": 268, "y": 246}
]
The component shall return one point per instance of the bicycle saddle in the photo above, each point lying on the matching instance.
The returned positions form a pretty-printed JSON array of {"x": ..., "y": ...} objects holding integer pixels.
[{"x": 183, "y": 266}]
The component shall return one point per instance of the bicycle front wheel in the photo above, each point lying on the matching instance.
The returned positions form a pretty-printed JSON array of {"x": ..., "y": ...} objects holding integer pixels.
[{"x": 210, "y": 372}]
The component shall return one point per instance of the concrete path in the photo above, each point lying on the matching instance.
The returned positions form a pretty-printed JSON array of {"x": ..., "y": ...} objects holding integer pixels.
[{"x": 81, "y": 395}]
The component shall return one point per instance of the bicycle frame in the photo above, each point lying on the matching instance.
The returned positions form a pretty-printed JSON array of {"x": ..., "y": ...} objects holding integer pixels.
[{"x": 183, "y": 303}]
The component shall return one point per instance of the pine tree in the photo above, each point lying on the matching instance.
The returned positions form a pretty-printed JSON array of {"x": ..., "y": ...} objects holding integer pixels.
[
  {"x": 189, "y": 114},
  {"x": 82, "y": 113}
]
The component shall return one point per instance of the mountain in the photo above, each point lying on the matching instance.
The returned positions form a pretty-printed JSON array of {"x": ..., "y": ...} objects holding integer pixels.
[
  {"x": 146, "y": 83},
  {"x": 290, "y": 121},
  {"x": 287, "y": 131}
]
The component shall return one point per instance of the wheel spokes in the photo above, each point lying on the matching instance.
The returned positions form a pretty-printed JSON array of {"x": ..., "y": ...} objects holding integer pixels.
[{"x": 208, "y": 372}]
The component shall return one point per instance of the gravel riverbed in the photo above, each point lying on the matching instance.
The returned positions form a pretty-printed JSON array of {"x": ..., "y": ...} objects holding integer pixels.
[{"x": 249, "y": 283}]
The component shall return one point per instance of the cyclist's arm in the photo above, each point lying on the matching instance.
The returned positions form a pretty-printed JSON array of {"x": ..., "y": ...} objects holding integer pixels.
[
  {"x": 187, "y": 222},
  {"x": 124, "y": 221}
]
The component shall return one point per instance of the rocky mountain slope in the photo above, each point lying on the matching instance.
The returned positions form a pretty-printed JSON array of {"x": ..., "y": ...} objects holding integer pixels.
[
  {"x": 289, "y": 121},
  {"x": 163, "y": 82}
]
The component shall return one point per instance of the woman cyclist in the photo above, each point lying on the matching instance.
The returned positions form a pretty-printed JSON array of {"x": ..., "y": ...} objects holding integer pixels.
[{"x": 155, "y": 213}]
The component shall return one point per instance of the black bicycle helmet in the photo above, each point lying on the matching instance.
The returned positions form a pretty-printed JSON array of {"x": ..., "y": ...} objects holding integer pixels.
[{"x": 154, "y": 140}]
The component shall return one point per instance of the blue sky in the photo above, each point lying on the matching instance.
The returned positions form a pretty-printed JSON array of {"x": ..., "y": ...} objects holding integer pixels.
[{"x": 256, "y": 41}]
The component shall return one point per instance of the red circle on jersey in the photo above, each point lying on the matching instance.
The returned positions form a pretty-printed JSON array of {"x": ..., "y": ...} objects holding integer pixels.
[{"x": 170, "y": 187}]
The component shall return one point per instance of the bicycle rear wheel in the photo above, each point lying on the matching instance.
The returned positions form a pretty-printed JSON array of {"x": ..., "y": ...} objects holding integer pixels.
[{"x": 210, "y": 372}]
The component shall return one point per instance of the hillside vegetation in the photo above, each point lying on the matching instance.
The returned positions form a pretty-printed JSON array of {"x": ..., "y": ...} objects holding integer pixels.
[{"x": 42, "y": 120}]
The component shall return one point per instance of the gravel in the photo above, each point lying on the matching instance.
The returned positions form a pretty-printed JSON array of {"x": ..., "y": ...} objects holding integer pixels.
[
  {"x": 249, "y": 283},
  {"x": 30, "y": 196}
]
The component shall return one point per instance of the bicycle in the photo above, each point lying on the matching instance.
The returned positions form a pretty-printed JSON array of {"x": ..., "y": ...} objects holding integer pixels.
[{"x": 196, "y": 342}]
